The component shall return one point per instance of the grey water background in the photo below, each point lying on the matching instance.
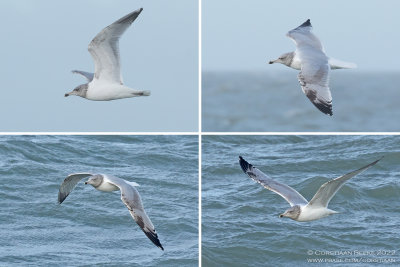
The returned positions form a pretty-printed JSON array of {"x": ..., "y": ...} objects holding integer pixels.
[
  {"x": 245, "y": 101},
  {"x": 240, "y": 223},
  {"x": 92, "y": 227}
]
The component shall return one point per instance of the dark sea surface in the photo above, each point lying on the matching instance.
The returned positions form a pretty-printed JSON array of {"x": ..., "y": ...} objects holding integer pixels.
[
  {"x": 240, "y": 223},
  {"x": 274, "y": 102},
  {"x": 90, "y": 227}
]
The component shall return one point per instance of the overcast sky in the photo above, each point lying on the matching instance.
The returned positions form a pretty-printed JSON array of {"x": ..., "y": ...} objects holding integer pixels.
[
  {"x": 244, "y": 35},
  {"x": 43, "y": 40}
]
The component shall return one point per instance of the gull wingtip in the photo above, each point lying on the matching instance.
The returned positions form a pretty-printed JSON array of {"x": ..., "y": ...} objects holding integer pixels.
[
  {"x": 307, "y": 23},
  {"x": 139, "y": 10},
  {"x": 376, "y": 161},
  {"x": 244, "y": 164},
  {"x": 60, "y": 199}
]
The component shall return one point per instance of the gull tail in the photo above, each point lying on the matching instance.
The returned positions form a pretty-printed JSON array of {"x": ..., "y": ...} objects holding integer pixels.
[
  {"x": 332, "y": 211},
  {"x": 142, "y": 93},
  {"x": 338, "y": 64},
  {"x": 132, "y": 183}
]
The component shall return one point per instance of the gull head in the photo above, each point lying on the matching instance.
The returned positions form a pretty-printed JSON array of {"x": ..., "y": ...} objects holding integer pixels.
[
  {"x": 292, "y": 213},
  {"x": 285, "y": 59},
  {"x": 80, "y": 90},
  {"x": 95, "y": 180}
]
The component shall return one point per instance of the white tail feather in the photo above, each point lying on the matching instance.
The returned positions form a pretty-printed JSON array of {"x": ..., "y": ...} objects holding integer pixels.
[
  {"x": 145, "y": 93},
  {"x": 338, "y": 64},
  {"x": 132, "y": 183}
]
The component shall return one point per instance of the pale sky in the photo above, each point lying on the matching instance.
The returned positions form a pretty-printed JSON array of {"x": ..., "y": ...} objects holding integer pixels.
[
  {"x": 243, "y": 35},
  {"x": 43, "y": 40}
]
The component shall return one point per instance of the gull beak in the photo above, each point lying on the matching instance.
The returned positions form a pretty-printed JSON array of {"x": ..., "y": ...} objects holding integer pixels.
[
  {"x": 272, "y": 62},
  {"x": 70, "y": 93},
  {"x": 280, "y": 216},
  {"x": 86, "y": 182}
]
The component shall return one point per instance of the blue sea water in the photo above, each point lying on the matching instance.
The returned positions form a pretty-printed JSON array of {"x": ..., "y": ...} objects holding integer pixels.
[
  {"x": 240, "y": 223},
  {"x": 274, "y": 102},
  {"x": 93, "y": 228}
]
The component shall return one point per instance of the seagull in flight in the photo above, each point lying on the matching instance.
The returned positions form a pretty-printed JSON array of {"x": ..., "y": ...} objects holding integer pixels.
[
  {"x": 300, "y": 209},
  {"x": 314, "y": 66},
  {"x": 129, "y": 196},
  {"x": 106, "y": 81}
]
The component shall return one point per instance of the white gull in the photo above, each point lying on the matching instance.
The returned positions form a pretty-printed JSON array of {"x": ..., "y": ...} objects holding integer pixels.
[
  {"x": 106, "y": 82},
  {"x": 301, "y": 210},
  {"x": 314, "y": 66},
  {"x": 129, "y": 196}
]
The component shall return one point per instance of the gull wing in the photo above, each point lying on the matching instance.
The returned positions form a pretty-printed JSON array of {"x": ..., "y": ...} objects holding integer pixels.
[
  {"x": 69, "y": 184},
  {"x": 314, "y": 81},
  {"x": 329, "y": 189},
  {"x": 104, "y": 49},
  {"x": 314, "y": 75},
  {"x": 88, "y": 75},
  {"x": 285, "y": 191},
  {"x": 303, "y": 36},
  {"x": 131, "y": 198}
]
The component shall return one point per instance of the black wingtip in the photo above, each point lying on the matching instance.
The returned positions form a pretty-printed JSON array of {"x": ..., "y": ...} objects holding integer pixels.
[
  {"x": 306, "y": 24},
  {"x": 244, "y": 164},
  {"x": 154, "y": 238},
  {"x": 376, "y": 161},
  {"x": 369, "y": 165},
  {"x": 61, "y": 197},
  {"x": 325, "y": 108}
]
